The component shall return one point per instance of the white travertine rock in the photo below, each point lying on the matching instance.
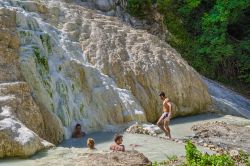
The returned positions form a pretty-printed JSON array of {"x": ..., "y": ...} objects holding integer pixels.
[
  {"x": 24, "y": 126},
  {"x": 84, "y": 67}
]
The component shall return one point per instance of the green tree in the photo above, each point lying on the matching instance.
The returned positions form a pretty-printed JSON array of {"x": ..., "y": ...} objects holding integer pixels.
[{"x": 139, "y": 8}]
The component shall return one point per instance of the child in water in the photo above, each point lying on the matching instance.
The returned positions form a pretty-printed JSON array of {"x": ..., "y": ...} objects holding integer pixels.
[{"x": 91, "y": 144}]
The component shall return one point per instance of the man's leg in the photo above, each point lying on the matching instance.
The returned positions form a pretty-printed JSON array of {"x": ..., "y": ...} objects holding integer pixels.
[
  {"x": 166, "y": 127},
  {"x": 161, "y": 125}
]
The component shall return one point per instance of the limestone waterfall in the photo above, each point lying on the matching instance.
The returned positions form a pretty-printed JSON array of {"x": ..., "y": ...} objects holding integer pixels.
[{"x": 76, "y": 65}]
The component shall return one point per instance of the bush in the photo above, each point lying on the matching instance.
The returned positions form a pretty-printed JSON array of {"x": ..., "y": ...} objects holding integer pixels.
[
  {"x": 139, "y": 8},
  {"x": 196, "y": 158}
]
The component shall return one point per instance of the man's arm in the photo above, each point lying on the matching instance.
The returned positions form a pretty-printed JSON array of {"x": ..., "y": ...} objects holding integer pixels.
[{"x": 170, "y": 111}]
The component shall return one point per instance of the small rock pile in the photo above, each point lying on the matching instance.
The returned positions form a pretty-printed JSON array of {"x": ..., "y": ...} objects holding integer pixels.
[
  {"x": 147, "y": 129},
  {"x": 152, "y": 130}
]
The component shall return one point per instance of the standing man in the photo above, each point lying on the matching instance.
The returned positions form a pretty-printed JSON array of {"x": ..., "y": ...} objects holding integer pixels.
[{"x": 164, "y": 120}]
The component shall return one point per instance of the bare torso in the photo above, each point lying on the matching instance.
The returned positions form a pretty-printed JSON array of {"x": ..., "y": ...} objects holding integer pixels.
[{"x": 166, "y": 105}]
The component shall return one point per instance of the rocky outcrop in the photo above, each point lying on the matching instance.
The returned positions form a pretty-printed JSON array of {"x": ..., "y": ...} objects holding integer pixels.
[
  {"x": 83, "y": 66},
  {"x": 152, "y": 22},
  {"x": 76, "y": 157},
  {"x": 9, "y": 44},
  {"x": 63, "y": 64},
  {"x": 140, "y": 62},
  {"x": 17, "y": 97},
  {"x": 61, "y": 79},
  {"x": 148, "y": 129},
  {"x": 220, "y": 136},
  {"x": 24, "y": 127},
  {"x": 16, "y": 139},
  {"x": 128, "y": 158},
  {"x": 104, "y": 5}
]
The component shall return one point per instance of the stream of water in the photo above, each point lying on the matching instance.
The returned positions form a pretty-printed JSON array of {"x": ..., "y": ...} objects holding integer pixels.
[{"x": 228, "y": 101}]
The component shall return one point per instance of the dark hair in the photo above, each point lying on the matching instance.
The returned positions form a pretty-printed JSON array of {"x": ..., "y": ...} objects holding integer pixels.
[
  {"x": 77, "y": 125},
  {"x": 162, "y": 94},
  {"x": 117, "y": 137}
]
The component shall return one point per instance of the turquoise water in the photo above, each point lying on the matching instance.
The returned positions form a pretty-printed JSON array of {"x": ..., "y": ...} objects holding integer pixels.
[{"x": 154, "y": 148}]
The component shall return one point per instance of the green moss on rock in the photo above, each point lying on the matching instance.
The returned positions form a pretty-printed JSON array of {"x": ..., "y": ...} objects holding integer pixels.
[
  {"x": 81, "y": 108},
  {"x": 41, "y": 60},
  {"x": 45, "y": 38},
  {"x": 59, "y": 68},
  {"x": 24, "y": 33}
]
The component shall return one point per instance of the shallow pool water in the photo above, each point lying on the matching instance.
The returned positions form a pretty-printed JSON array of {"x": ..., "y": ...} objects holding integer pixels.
[{"x": 154, "y": 148}]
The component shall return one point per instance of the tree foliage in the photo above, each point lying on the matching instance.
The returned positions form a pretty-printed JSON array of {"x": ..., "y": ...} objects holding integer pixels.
[
  {"x": 212, "y": 35},
  {"x": 139, "y": 8}
]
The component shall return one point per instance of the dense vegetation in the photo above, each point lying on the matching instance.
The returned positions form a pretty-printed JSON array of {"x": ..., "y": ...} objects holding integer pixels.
[
  {"x": 212, "y": 35},
  {"x": 196, "y": 158}
]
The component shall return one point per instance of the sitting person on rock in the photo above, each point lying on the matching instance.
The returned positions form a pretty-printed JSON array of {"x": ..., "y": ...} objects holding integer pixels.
[
  {"x": 91, "y": 144},
  {"x": 78, "y": 133},
  {"x": 117, "y": 146}
]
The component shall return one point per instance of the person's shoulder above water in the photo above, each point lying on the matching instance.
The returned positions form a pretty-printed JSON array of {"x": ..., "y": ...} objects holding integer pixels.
[
  {"x": 77, "y": 133},
  {"x": 117, "y": 146}
]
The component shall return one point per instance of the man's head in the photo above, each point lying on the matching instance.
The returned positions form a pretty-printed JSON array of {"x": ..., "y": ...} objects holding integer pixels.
[
  {"x": 118, "y": 139},
  {"x": 78, "y": 127},
  {"x": 162, "y": 96}
]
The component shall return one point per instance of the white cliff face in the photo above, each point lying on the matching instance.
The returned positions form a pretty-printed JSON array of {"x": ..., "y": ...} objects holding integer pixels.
[
  {"x": 61, "y": 79},
  {"x": 24, "y": 126},
  {"x": 92, "y": 69}
]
